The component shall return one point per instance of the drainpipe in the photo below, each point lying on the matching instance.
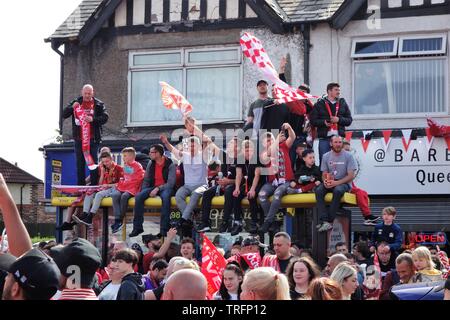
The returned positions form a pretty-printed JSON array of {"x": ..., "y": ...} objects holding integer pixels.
[
  {"x": 306, "y": 30},
  {"x": 55, "y": 46},
  {"x": 21, "y": 200}
]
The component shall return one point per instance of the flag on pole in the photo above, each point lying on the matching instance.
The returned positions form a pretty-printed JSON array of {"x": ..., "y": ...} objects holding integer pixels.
[
  {"x": 174, "y": 100},
  {"x": 213, "y": 264},
  {"x": 254, "y": 50}
]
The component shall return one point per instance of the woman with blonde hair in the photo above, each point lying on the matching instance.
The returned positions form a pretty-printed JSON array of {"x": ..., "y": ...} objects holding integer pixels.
[
  {"x": 265, "y": 284},
  {"x": 347, "y": 277},
  {"x": 324, "y": 289}
]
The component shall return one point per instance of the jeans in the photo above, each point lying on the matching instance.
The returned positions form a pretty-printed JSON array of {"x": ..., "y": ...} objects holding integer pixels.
[
  {"x": 81, "y": 163},
  {"x": 338, "y": 192},
  {"x": 120, "y": 203},
  {"x": 324, "y": 147},
  {"x": 270, "y": 209},
  {"x": 138, "y": 220},
  {"x": 195, "y": 192},
  {"x": 95, "y": 200}
]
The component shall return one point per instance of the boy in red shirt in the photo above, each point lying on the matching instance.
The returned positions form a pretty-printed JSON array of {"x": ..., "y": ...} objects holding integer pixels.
[{"x": 127, "y": 187}]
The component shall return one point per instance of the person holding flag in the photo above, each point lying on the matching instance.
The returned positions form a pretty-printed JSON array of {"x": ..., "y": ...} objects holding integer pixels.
[
  {"x": 330, "y": 116},
  {"x": 88, "y": 116}
]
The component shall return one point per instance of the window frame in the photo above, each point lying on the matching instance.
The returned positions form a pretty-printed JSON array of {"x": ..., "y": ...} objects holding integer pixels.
[
  {"x": 372, "y": 55},
  {"x": 184, "y": 66},
  {"x": 443, "y": 51},
  {"x": 409, "y": 115}
]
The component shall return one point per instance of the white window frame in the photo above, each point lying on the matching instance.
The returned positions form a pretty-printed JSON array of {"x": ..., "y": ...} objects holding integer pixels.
[
  {"x": 370, "y": 55},
  {"x": 183, "y": 66},
  {"x": 421, "y": 53},
  {"x": 410, "y": 115}
]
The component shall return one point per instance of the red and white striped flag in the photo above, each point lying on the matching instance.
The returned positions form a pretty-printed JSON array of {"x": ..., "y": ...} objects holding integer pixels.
[
  {"x": 254, "y": 50},
  {"x": 174, "y": 100}
]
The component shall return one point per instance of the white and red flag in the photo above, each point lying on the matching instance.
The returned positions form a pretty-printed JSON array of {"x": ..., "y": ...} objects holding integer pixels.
[
  {"x": 81, "y": 111},
  {"x": 174, "y": 100},
  {"x": 213, "y": 264},
  {"x": 254, "y": 50}
]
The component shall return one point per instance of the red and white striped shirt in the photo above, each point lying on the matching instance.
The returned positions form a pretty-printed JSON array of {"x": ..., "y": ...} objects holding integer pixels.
[{"x": 78, "y": 294}]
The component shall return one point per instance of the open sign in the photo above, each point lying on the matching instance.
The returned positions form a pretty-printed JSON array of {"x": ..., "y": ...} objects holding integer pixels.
[{"x": 435, "y": 238}]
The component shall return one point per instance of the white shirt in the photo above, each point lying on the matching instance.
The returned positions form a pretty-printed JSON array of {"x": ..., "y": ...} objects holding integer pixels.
[{"x": 110, "y": 292}]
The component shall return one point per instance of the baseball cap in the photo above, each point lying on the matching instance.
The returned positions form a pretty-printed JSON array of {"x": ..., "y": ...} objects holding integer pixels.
[
  {"x": 146, "y": 238},
  {"x": 261, "y": 81},
  {"x": 252, "y": 241},
  {"x": 35, "y": 272},
  {"x": 81, "y": 253}
]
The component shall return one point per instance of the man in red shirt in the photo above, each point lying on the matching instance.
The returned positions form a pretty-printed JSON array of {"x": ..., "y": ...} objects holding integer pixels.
[
  {"x": 276, "y": 156},
  {"x": 127, "y": 187},
  {"x": 159, "y": 180}
]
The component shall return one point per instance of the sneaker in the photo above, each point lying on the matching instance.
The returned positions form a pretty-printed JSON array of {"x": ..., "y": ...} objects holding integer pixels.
[
  {"x": 237, "y": 228},
  {"x": 203, "y": 227},
  {"x": 265, "y": 227},
  {"x": 253, "y": 229},
  {"x": 87, "y": 221},
  {"x": 116, "y": 227},
  {"x": 80, "y": 218},
  {"x": 66, "y": 226},
  {"x": 136, "y": 232},
  {"x": 224, "y": 226},
  {"x": 371, "y": 220},
  {"x": 325, "y": 227},
  {"x": 177, "y": 223}
]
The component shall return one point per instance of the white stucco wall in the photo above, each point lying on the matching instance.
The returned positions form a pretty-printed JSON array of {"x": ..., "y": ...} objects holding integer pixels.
[
  {"x": 331, "y": 61},
  {"x": 15, "y": 191},
  {"x": 276, "y": 47}
]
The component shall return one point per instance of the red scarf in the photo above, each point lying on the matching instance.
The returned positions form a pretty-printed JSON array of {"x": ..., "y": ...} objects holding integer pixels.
[
  {"x": 81, "y": 112},
  {"x": 334, "y": 126}
]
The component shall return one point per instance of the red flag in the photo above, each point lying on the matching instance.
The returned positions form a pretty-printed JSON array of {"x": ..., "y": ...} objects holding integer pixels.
[
  {"x": 348, "y": 135},
  {"x": 365, "y": 144},
  {"x": 174, "y": 100},
  {"x": 387, "y": 138},
  {"x": 437, "y": 130},
  {"x": 213, "y": 264},
  {"x": 252, "y": 259},
  {"x": 253, "y": 49},
  {"x": 406, "y": 139}
]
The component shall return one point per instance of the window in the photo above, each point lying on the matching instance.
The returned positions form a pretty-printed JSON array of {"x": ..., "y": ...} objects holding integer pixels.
[
  {"x": 209, "y": 78},
  {"x": 402, "y": 85},
  {"x": 374, "y": 48}
]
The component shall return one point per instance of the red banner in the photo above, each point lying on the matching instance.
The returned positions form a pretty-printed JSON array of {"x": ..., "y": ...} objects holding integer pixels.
[
  {"x": 213, "y": 264},
  {"x": 387, "y": 138},
  {"x": 365, "y": 144},
  {"x": 348, "y": 135}
]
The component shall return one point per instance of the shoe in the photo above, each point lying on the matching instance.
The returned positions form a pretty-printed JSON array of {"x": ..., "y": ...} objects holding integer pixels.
[
  {"x": 203, "y": 227},
  {"x": 135, "y": 232},
  {"x": 66, "y": 226},
  {"x": 177, "y": 224},
  {"x": 87, "y": 221},
  {"x": 237, "y": 228},
  {"x": 80, "y": 218},
  {"x": 325, "y": 227},
  {"x": 371, "y": 220},
  {"x": 265, "y": 227},
  {"x": 253, "y": 229},
  {"x": 116, "y": 227},
  {"x": 224, "y": 226}
]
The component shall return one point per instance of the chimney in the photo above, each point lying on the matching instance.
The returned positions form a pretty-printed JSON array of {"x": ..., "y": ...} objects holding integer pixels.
[{"x": 15, "y": 163}]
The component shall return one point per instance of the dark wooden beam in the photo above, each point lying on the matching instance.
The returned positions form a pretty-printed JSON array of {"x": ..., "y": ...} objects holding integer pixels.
[
  {"x": 203, "y": 9},
  {"x": 267, "y": 15},
  {"x": 223, "y": 9},
  {"x": 148, "y": 12},
  {"x": 242, "y": 9},
  {"x": 166, "y": 10},
  {"x": 185, "y": 10},
  {"x": 130, "y": 12}
]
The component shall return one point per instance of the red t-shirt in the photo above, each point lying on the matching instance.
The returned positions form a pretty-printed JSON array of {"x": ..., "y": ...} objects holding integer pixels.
[
  {"x": 284, "y": 165},
  {"x": 147, "y": 260},
  {"x": 159, "y": 179}
]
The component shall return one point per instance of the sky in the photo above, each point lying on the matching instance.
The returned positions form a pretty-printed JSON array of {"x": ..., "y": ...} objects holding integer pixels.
[{"x": 29, "y": 80}]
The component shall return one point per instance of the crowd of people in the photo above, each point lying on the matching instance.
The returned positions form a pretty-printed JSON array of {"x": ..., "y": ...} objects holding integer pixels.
[{"x": 262, "y": 168}]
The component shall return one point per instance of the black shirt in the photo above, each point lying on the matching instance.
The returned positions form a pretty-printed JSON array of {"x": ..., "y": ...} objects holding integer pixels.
[
  {"x": 283, "y": 264},
  {"x": 274, "y": 117},
  {"x": 295, "y": 295},
  {"x": 304, "y": 170},
  {"x": 249, "y": 171}
]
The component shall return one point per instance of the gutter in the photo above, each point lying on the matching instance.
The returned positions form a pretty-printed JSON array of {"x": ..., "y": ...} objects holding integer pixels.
[
  {"x": 55, "y": 47},
  {"x": 21, "y": 200}
]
